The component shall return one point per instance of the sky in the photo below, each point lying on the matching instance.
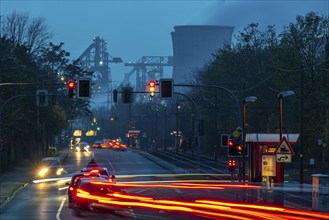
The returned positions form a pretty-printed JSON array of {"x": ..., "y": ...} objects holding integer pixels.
[{"x": 134, "y": 29}]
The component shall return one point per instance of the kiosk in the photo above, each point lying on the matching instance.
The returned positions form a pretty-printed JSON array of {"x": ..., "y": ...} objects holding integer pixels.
[{"x": 259, "y": 144}]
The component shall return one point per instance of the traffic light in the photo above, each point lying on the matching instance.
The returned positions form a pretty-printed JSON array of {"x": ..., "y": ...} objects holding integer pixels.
[
  {"x": 115, "y": 95},
  {"x": 42, "y": 98},
  {"x": 166, "y": 88},
  {"x": 234, "y": 148},
  {"x": 239, "y": 149},
  {"x": 152, "y": 89},
  {"x": 201, "y": 127},
  {"x": 84, "y": 88},
  {"x": 127, "y": 95},
  {"x": 231, "y": 165},
  {"x": 71, "y": 86},
  {"x": 231, "y": 148}
]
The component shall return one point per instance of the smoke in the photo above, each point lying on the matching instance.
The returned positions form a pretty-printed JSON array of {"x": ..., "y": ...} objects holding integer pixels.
[{"x": 265, "y": 12}]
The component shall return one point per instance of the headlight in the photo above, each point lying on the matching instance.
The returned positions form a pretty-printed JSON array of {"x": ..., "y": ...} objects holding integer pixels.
[
  {"x": 59, "y": 171},
  {"x": 43, "y": 171}
]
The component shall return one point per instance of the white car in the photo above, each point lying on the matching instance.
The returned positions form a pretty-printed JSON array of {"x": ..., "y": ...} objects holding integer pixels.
[
  {"x": 50, "y": 167},
  {"x": 82, "y": 146}
]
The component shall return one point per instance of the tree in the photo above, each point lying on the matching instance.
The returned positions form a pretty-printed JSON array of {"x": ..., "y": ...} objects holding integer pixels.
[
  {"x": 23, "y": 30},
  {"x": 262, "y": 64}
]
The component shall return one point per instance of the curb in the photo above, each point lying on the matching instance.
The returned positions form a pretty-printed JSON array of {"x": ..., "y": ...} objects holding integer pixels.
[{"x": 12, "y": 195}]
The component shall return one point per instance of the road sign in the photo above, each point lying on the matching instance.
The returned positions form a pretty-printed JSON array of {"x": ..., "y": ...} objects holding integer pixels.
[
  {"x": 91, "y": 133},
  {"x": 236, "y": 133},
  {"x": 268, "y": 165},
  {"x": 283, "y": 158},
  {"x": 42, "y": 98},
  {"x": 284, "y": 147},
  {"x": 77, "y": 133}
]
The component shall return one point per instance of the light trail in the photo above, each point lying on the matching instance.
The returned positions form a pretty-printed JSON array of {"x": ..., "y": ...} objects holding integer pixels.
[
  {"x": 206, "y": 208},
  {"x": 51, "y": 180},
  {"x": 158, "y": 186},
  {"x": 241, "y": 205}
]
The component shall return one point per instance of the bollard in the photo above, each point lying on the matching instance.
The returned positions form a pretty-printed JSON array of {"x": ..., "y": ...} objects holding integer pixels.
[{"x": 320, "y": 192}]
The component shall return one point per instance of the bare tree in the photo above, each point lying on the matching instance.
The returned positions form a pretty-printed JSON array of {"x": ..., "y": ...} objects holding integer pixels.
[{"x": 23, "y": 30}]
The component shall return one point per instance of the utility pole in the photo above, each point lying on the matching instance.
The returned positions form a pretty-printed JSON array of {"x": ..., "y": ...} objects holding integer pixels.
[
  {"x": 301, "y": 138},
  {"x": 177, "y": 142}
]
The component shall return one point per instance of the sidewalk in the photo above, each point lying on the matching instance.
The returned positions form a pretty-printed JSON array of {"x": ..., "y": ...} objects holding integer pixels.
[{"x": 15, "y": 179}]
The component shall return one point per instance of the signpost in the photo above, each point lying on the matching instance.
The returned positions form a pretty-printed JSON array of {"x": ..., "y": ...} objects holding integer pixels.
[
  {"x": 283, "y": 158},
  {"x": 284, "y": 152}
]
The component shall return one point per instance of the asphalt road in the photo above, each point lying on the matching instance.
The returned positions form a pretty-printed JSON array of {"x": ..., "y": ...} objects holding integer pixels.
[
  {"x": 45, "y": 201},
  {"x": 48, "y": 200}
]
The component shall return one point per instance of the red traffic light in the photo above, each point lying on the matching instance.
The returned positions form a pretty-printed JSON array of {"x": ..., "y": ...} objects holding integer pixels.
[
  {"x": 231, "y": 163},
  {"x": 151, "y": 83},
  {"x": 230, "y": 143},
  {"x": 152, "y": 89},
  {"x": 71, "y": 84}
]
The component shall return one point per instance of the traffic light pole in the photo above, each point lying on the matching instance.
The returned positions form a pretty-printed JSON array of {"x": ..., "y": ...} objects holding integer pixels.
[
  {"x": 196, "y": 132},
  {"x": 230, "y": 93}
]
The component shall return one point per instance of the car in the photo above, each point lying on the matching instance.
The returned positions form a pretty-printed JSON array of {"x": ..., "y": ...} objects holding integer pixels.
[
  {"x": 73, "y": 184},
  {"x": 117, "y": 145},
  {"x": 82, "y": 147},
  {"x": 50, "y": 167},
  {"x": 97, "y": 144},
  {"x": 82, "y": 189},
  {"x": 102, "y": 171}
]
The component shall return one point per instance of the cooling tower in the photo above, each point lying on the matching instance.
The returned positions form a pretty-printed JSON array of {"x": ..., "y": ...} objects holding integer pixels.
[{"x": 193, "y": 46}]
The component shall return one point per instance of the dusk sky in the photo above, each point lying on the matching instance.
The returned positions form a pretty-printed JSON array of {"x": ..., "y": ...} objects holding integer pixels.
[{"x": 134, "y": 29}]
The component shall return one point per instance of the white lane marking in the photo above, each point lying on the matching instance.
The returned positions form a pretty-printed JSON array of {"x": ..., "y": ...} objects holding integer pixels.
[
  {"x": 143, "y": 190},
  {"x": 60, "y": 209},
  {"x": 178, "y": 191}
]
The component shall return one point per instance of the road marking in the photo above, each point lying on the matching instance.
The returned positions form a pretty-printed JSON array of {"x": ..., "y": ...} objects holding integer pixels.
[
  {"x": 143, "y": 190},
  {"x": 60, "y": 209},
  {"x": 178, "y": 191}
]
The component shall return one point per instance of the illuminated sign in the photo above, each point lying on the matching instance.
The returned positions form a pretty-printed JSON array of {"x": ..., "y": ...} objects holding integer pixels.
[
  {"x": 77, "y": 133},
  {"x": 91, "y": 133}
]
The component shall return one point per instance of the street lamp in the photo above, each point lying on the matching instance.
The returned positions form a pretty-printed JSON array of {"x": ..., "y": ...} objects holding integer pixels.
[
  {"x": 177, "y": 140},
  {"x": 245, "y": 101},
  {"x": 282, "y": 95},
  {"x": 165, "y": 127}
]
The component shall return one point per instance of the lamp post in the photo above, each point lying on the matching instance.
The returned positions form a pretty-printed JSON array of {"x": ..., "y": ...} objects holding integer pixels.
[
  {"x": 165, "y": 127},
  {"x": 280, "y": 167},
  {"x": 245, "y": 101},
  {"x": 177, "y": 140}
]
